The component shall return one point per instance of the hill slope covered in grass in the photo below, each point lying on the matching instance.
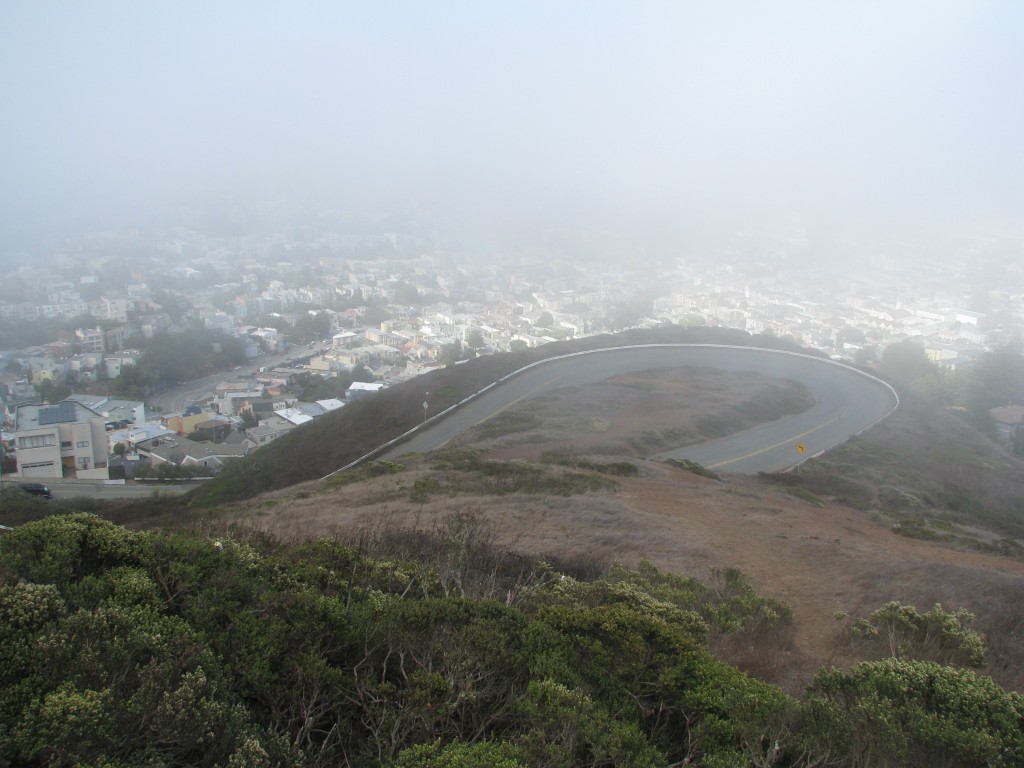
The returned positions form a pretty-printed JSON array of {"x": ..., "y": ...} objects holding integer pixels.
[
  {"x": 339, "y": 438},
  {"x": 930, "y": 473}
]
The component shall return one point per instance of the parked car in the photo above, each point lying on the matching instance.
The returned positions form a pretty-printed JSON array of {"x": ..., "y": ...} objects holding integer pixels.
[{"x": 36, "y": 489}]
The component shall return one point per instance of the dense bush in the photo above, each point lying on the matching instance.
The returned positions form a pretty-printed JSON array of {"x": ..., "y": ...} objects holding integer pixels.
[
  {"x": 120, "y": 648},
  {"x": 900, "y": 712}
]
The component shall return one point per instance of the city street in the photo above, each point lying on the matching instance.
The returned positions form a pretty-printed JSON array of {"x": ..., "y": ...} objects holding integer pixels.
[{"x": 72, "y": 489}]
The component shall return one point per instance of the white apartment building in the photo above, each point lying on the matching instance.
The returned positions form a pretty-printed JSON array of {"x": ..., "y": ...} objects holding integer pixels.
[{"x": 63, "y": 440}]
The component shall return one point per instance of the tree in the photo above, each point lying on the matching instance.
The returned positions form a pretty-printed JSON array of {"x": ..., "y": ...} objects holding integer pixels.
[
  {"x": 865, "y": 355},
  {"x": 177, "y": 357},
  {"x": 451, "y": 353},
  {"x": 849, "y": 335},
  {"x": 474, "y": 338},
  {"x": 458, "y": 754},
  {"x": 316, "y": 387},
  {"x": 376, "y": 314},
  {"x": 133, "y": 382},
  {"x": 51, "y": 391},
  {"x": 998, "y": 378},
  {"x": 361, "y": 373},
  {"x": 309, "y": 327},
  {"x": 407, "y": 294},
  {"x": 905, "y": 361},
  {"x": 273, "y": 320}
]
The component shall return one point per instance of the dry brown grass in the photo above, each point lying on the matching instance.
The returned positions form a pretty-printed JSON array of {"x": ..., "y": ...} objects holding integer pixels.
[
  {"x": 639, "y": 413},
  {"x": 830, "y": 548},
  {"x": 818, "y": 560}
]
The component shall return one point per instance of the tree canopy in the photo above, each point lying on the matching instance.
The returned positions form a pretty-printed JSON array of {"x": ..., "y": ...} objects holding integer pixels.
[{"x": 169, "y": 358}]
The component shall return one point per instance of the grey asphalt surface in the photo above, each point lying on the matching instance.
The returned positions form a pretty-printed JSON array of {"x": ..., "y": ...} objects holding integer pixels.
[
  {"x": 70, "y": 489},
  {"x": 73, "y": 489},
  {"x": 846, "y": 402}
]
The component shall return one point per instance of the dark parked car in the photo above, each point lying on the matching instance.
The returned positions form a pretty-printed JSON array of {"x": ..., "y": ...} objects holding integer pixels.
[{"x": 36, "y": 489}]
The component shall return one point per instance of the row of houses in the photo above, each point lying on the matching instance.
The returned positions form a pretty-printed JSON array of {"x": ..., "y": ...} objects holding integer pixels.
[{"x": 87, "y": 437}]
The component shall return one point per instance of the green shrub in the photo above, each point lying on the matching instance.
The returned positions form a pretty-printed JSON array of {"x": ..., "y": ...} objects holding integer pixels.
[
  {"x": 458, "y": 754},
  {"x": 509, "y": 422},
  {"x": 567, "y": 459},
  {"x": 693, "y": 466},
  {"x": 938, "y": 635},
  {"x": 914, "y": 713}
]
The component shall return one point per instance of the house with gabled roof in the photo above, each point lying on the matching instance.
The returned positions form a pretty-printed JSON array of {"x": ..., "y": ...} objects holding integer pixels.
[{"x": 188, "y": 453}]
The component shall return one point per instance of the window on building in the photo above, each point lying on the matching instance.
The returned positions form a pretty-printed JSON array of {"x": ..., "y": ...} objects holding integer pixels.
[
  {"x": 36, "y": 441},
  {"x": 82, "y": 444},
  {"x": 65, "y": 445}
]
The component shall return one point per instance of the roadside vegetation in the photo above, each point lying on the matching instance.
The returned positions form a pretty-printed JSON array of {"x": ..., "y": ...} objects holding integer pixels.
[
  {"x": 121, "y": 648},
  {"x": 933, "y": 470},
  {"x": 927, "y": 473},
  {"x": 463, "y": 472}
]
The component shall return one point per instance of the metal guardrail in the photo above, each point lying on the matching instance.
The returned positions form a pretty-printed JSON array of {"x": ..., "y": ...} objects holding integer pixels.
[{"x": 443, "y": 414}]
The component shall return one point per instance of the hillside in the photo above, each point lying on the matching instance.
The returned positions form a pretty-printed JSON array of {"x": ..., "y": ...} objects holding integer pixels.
[
  {"x": 922, "y": 508},
  {"x": 922, "y": 498},
  {"x": 538, "y": 594},
  {"x": 817, "y": 557},
  {"x": 339, "y": 438}
]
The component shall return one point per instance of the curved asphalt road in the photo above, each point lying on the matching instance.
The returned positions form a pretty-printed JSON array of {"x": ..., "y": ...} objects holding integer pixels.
[{"x": 846, "y": 402}]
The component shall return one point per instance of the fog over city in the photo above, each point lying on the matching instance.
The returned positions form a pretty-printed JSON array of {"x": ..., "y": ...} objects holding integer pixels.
[{"x": 673, "y": 124}]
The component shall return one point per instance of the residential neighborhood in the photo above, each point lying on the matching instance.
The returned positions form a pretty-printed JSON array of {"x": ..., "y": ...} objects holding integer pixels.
[{"x": 315, "y": 323}]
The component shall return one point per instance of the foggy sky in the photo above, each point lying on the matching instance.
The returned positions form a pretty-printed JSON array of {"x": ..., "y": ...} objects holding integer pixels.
[{"x": 637, "y": 115}]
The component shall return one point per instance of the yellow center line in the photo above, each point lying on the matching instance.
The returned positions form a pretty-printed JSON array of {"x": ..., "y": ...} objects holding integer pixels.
[{"x": 770, "y": 447}]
